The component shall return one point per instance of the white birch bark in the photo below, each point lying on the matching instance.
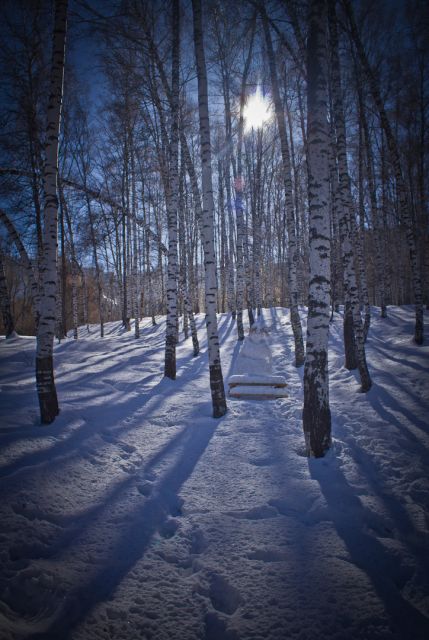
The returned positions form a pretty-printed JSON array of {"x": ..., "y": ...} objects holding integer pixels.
[
  {"x": 239, "y": 185},
  {"x": 345, "y": 209},
  {"x": 377, "y": 222},
  {"x": 46, "y": 329},
  {"x": 223, "y": 240},
  {"x": 215, "y": 368},
  {"x": 188, "y": 312},
  {"x": 316, "y": 413},
  {"x": 290, "y": 217},
  {"x": 360, "y": 244},
  {"x": 172, "y": 204},
  {"x": 135, "y": 273},
  {"x": 74, "y": 263}
]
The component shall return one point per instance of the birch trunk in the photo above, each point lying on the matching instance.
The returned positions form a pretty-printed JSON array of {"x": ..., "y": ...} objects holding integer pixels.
[
  {"x": 135, "y": 272},
  {"x": 223, "y": 241},
  {"x": 97, "y": 266},
  {"x": 360, "y": 244},
  {"x": 290, "y": 217},
  {"x": 215, "y": 368},
  {"x": 45, "y": 382},
  {"x": 377, "y": 222},
  {"x": 228, "y": 163},
  {"x": 188, "y": 312},
  {"x": 316, "y": 413},
  {"x": 172, "y": 204},
  {"x": 345, "y": 210},
  {"x": 62, "y": 274},
  {"x": 125, "y": 264},
  {"x": 238, "y": 184},
  {"x": 74, "y": 265}
]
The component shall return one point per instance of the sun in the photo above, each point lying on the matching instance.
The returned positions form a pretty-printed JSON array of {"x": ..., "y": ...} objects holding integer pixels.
[{"x": 257, "y": 111}]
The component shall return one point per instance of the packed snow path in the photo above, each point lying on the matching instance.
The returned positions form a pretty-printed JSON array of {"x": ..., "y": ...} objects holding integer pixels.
[
  {"x": 253, "y": 368},
  {"x": 136, "y": 515}
]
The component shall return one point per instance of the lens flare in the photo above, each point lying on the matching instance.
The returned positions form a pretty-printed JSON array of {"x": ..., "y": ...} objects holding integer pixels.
[{"x": 257, "y": 111}]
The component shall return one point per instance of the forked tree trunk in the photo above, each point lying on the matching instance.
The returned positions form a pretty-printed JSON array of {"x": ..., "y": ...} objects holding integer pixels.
[
  {"x": 316, "y": 413},
  {"x": 216, "y": 378},
  {"x": 46, "y": 390}
]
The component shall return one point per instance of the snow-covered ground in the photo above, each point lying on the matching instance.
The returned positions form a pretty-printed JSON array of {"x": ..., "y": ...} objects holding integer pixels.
[{"x": 136, "y": 515}]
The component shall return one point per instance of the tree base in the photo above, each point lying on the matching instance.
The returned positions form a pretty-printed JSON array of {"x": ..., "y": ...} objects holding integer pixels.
[
  {"x": 170, "y": 357},
  {"x": 317, "y": 431},
  {"x": 46, "y": 391},
  {"x": 218, "y": 391},
  {"x": 349, "y": 342},
  {"x": 419, "y": 328}
]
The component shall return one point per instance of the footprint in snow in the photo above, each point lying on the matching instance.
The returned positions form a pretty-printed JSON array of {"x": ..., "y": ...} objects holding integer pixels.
[
  {"x": 168, "y": 528},
  {"x": 128, "y": 448},
  {"x": 108, "y": 437},
  {"x": 198, "y": 542},
  {"x": 267, "y": 555},
  {"x": 256, "y": 513},
  {"x": 262, "y": 462},
  {"x": 215, "y": 628},
  {"x": 145, "y": 488},
  {"x": 176, "y": 506},
  {"x": 223, "y": 596}
]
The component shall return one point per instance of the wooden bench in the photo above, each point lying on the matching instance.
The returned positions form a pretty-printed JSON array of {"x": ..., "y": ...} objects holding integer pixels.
[{"x": 261, "y": 387}]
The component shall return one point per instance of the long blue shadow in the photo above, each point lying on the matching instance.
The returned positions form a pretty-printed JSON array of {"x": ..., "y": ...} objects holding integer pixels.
[
  {"x": 132, "y": 545},
  {"x": 368, "y": 554}
]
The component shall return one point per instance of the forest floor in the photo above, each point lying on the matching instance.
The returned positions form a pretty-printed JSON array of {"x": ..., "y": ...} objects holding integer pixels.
[{"x": 136, "y": 515}]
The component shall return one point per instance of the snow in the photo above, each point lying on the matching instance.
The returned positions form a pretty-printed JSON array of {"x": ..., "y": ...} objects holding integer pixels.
[{"x": 136, "y": 515}]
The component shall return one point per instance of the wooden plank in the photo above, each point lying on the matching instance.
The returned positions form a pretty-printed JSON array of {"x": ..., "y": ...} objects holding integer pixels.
[
  {"x": 259, "y": 392},
  {"x": 262, "y": 380}
]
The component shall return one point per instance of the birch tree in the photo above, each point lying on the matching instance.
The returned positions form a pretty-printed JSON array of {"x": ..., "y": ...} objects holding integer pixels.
[
  {"x": 290, "y": 215},
  {"x": 239, "y": 187},
  {"x": 172, "y": 203},
  {"x": 207, "y": 226},
  {"x": 316, "y": 413},
  {"x": 45, "y": 382},
  {"x": 345, "y": 209}
]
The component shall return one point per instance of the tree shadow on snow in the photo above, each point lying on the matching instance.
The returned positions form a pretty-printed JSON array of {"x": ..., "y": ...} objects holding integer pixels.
[
  {"x": 367, "y": 553},
  {"x": 387, "y": 407},
  {"x": 135, "y": 539}
]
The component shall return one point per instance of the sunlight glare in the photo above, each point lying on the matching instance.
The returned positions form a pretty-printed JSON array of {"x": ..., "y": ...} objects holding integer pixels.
[{"x": 256, "y": 111}]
